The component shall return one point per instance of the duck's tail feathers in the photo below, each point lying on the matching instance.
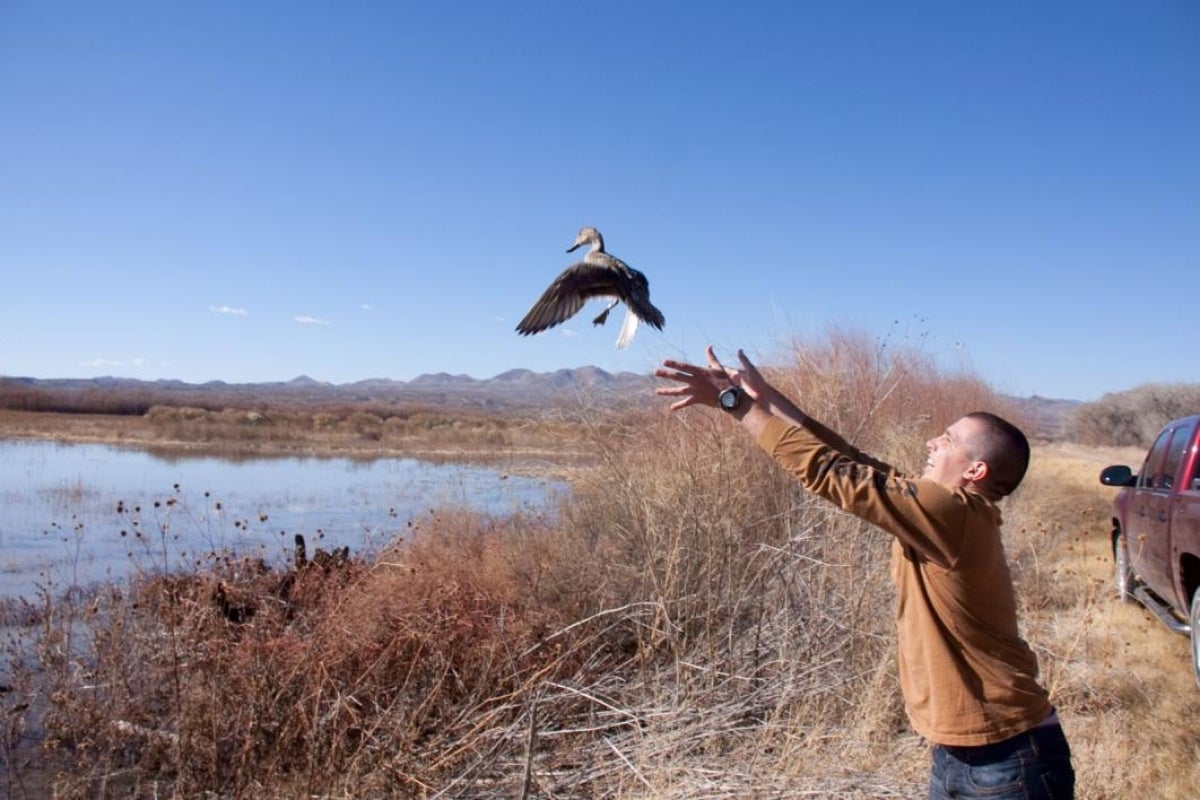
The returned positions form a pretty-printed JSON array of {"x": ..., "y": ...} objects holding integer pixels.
[{"x": 628, "y": 329}]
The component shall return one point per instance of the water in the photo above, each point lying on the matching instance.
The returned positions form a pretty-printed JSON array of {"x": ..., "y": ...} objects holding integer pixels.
[{"x": 75, "y": 514}]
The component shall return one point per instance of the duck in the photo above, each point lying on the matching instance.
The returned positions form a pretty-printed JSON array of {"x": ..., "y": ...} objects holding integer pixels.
[{"x": 598, "y": 274}]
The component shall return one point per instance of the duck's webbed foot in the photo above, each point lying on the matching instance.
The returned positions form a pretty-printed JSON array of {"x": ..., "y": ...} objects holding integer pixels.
[{"x": 600, "y": 320}]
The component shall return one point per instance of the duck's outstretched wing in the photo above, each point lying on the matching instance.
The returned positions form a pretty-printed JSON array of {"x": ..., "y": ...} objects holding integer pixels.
[{"x": 564, "y": 297}]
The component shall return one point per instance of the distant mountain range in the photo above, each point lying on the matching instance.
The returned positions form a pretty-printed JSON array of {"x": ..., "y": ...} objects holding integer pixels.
[
  {"x": 516, "y": 388},
  {"x": 512, "y": 389},
  {"x": 1049, "y": 416}
]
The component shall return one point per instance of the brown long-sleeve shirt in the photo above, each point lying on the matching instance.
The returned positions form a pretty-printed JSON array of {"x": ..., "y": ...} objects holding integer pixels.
[{"x": 967, "y": 676}]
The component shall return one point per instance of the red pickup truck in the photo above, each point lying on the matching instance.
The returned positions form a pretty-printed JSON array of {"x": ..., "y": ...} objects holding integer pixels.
[{"x": 1156, "y": 529}]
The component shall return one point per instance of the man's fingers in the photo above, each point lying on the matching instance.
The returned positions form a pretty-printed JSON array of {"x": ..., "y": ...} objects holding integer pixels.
[
  {"x": 748, "y": 367},
  {"x": 688, "y": 381},
  {"x": 680, "y": 366},
  {"x": 713, "y": 361},
  {"x": 668, "y": 391}
]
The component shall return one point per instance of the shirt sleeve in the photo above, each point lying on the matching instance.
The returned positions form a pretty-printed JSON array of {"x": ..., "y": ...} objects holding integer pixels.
[
  {"x": 835, "y": 441},
  {"x": 922, "y": 514}
]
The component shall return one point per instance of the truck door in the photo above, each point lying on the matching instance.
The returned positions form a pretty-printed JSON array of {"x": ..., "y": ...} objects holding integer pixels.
[
  {"x": 1147, "y": 560},
  {"x": 1153, "y": 510},
  {"x": 1184, "y": 508}
]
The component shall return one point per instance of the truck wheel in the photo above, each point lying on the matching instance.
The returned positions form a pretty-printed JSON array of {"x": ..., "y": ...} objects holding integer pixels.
[
  {"x": 1194, "y": 620},
  {"x": 1124, "y": 573}
]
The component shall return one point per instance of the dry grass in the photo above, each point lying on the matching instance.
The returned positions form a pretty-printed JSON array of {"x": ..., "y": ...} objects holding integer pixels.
[
  {"x": 687, "y": 624},
  {"x": 352, "y": 431},
  {"x": 1122, "y": 681}
]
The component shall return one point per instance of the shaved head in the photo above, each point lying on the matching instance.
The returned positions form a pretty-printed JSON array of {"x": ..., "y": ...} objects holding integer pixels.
[{"x": 1003, "y": 447}]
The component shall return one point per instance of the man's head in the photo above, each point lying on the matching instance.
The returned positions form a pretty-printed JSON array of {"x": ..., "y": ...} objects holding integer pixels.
[{"x": 982, "y": 450}]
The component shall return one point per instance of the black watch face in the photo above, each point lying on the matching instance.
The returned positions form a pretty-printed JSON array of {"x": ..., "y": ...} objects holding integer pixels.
[{"x": 729, "y": 399}]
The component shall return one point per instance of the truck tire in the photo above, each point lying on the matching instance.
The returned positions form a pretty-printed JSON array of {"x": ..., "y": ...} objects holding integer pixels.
[
  {"x": 1194, "y": 620},
  {"x": 1123, "y": 572}
]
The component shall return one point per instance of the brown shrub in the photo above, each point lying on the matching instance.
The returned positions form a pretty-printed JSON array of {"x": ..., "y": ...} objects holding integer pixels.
[{"x": 1133, "y": 417}]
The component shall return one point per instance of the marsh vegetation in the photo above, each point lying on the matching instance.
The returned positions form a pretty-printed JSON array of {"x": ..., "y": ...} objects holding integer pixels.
[
  {"x": 362, "y": 430},
  {"x": 685, "y": 623}
]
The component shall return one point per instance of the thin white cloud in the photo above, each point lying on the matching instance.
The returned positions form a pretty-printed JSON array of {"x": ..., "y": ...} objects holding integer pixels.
[
  {"x": 237, "y": 312},
  {"x": 114, "y": 363},
  {"x": 367, "y": 307},
  {"x": 306, "y": 320}
]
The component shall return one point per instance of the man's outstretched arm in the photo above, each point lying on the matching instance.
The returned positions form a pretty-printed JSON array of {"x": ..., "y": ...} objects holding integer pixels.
[{"x": 702, "y": 385}]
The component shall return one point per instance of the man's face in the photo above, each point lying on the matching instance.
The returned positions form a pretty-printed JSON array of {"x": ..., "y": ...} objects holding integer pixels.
[{"x": 952, "y": 461}]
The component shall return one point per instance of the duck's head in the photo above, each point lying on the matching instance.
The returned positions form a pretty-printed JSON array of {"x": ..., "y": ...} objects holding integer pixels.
[{"x": 587, "y": 235}]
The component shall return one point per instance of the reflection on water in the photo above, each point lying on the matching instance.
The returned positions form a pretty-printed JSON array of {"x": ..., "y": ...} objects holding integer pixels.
[{"x": 74, "y": 514}]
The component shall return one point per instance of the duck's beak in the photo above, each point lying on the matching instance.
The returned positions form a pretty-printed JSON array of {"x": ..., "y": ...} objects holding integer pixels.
[{"x": 573, "y": 247}]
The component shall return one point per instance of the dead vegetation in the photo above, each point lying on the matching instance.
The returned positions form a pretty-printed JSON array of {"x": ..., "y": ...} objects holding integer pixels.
[
  {"x": 1134, "y": 417},
  {"x": 686, "y": 624},
  {"x": 331, "y": 430}
]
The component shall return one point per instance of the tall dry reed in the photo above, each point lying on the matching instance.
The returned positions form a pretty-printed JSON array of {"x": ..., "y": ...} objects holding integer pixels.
[{"x": 686, "y": 607}]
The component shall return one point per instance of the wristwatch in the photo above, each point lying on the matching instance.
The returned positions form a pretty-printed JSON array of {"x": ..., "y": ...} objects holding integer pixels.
[{"x": 730, "y": 398}]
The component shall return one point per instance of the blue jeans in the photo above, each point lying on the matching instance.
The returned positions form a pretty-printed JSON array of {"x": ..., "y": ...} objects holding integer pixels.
[{"x": 1035, "y": 765}]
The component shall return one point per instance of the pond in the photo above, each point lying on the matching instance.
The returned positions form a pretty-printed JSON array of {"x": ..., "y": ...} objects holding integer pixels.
[{"x": 74, "y": 514}]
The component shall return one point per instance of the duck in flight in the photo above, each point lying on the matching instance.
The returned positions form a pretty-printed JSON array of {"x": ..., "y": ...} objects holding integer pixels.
[{"x": 599, "y": 274}]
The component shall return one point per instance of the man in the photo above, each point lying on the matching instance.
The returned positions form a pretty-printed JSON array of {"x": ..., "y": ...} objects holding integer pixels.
[{"x": 969, "y": 680}]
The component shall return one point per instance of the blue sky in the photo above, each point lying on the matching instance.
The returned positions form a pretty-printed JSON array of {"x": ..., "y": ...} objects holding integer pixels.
[{"x": 255, "y": 191}]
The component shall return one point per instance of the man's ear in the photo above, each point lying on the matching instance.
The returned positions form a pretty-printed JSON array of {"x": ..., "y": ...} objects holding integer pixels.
[{"x": 977, "y": 471}]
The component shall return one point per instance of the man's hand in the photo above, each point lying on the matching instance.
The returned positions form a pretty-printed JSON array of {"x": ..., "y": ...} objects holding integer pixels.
[
  {"x": 751, "y": 380},
  {"x": 701, "y": 385}
]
